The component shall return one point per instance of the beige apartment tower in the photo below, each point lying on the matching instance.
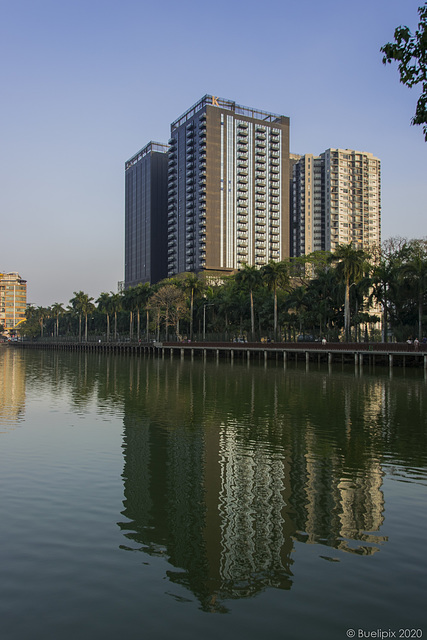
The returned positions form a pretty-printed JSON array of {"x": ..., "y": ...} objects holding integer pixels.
[
  {"x": 13, "y": 300},
  {"x": 335, "y": 199},
  {"x": 228, "y": 188}
]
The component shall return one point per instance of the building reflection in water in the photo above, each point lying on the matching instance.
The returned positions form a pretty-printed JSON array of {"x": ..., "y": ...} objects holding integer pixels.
[
  {"x": 12, "y": 388},
  {"x": 228, "y": 469}
]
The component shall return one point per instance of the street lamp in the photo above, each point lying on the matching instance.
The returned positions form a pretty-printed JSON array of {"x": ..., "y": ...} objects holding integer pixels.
[{"x": 204, "y": 318}]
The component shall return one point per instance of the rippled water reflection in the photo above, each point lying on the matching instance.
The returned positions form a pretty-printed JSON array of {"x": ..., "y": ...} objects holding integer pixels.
[{"x": 154, "y": 492}]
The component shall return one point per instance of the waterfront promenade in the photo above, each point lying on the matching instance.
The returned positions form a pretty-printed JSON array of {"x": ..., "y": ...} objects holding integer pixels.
[{"x": 372, "y": 354}]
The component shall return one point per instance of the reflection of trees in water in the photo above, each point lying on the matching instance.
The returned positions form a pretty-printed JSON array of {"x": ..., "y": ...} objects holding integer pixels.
[
  {"x": 271, "y": 465},
  {"x": 226, "y": 467}
]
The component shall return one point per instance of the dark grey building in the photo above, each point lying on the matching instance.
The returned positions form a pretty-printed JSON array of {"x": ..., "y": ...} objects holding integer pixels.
[{"x": 146, "y": 232}]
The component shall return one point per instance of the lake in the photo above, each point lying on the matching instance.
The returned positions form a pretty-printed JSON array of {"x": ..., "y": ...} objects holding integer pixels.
[{"x": 144, "y": 497}]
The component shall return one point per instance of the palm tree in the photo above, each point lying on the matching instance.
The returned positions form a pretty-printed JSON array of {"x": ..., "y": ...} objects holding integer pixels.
[
  {"x": 249, "y": 278},
  {"x": 82, "y": 304},
  {"x": 194, "y": 286},
  {"x": 275, "y": 274},
  {"x": 142, "y": 293},
  {"x": 104, "y": 305},
  {"x": 41, "y": 313},
  {"x": 115, "y": 307},
  {"x": 57, "y": 309},
  {"x": 129, "y": 304},
  {"x": 351, "y": 265}
]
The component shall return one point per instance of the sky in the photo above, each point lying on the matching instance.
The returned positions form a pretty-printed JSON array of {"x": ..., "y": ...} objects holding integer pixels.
[{"x": 85, "y": 84}]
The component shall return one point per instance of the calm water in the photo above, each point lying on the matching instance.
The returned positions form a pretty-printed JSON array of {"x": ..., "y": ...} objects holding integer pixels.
[{"x": 148, "y": 498}]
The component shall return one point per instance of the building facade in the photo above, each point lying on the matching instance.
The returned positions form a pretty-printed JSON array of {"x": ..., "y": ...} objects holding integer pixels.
[
  {"x": 13, "y": 300},
  {"x": 146, "y": 215},
  {"x": 335, "y": 199},
  {"x": 228, "y": 198}
]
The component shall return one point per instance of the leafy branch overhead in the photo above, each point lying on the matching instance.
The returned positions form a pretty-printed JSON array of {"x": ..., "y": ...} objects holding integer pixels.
[{"x": 410, "y": 51}]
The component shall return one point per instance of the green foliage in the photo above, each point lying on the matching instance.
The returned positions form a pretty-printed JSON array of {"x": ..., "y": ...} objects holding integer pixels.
[
  {"x": 410, "y": 51},
  {"x": 318, "y": 294}
]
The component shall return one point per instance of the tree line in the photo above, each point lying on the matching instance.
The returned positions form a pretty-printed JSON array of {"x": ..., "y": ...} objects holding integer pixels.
[{"x": 345, "y": 295}]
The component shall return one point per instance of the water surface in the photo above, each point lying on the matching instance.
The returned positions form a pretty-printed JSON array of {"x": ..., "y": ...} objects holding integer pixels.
[{"x": 166, "y": 498}]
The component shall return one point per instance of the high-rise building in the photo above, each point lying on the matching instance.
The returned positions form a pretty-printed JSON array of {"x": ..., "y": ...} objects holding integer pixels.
[
  {"x": 335, "y": 199},
  {"x": 13, "y": 300},
  {"x": 146, "y": 215},
  {"x": 228, "y": 180}
]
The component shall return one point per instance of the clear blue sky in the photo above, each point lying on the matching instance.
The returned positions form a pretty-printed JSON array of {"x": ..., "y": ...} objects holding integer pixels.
[{"x": 85, "y": 84}]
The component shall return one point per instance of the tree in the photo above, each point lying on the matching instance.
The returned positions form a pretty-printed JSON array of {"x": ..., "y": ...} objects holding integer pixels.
[
  {"x": 410, "y": 51},
  {"x": 82, "y": 304},
  {"x": 32, "y": 324},
  {"x": 104, "y": 305},
  {"x": 275, "y": 274},
  {"x": 129, "y": 304},
  {"x": 324, "y": 291},
  {"x": 115, "y": 306},
  {"x": 298, "y": 300},
  {"x": 194, "y": 285},
  {"x": 415, "y": 270},
  {"x": 142, "y": 293},
  {"x": 169, "y": 302},
  {"x": 57, "y": 309},
  {"x": 249, "y": 278},
  {"x": 42, "y": 313},
  {"x": 351, "y": 265}
]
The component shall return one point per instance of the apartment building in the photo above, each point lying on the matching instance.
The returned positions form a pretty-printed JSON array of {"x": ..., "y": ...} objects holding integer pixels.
[
  {"x": 13, "y": 300},
  {"x": 228, "y": 197},
  {"x": 335, "y": 199},
  {"x": 146, "y": 215}
]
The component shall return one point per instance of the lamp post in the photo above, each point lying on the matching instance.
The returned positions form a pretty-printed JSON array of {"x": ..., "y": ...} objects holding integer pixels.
[{"x": 204, "y": 318}]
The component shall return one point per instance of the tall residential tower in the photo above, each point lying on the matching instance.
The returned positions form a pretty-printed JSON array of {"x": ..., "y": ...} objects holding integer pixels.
[
  {"x": 335, "y": 199},
  {"x": 228, "y": 181}
]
